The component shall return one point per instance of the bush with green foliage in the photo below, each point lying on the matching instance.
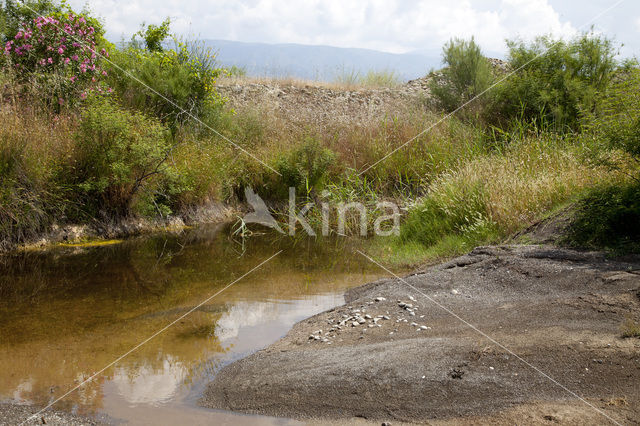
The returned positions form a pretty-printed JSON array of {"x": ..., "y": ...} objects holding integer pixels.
[
  {"x": 556, "y": 80},
  {"x": 467, "y": 74},
  {"x": 608, "y": 217},
  {"x": 54, "y": 55},
  {"x": 305, "y": 167},
  {"x": 117, "y": 152},
  {"x": 181, "y": 80},
  {"x": 155, "y": 35},
  {"x": 616, "y": 119}
]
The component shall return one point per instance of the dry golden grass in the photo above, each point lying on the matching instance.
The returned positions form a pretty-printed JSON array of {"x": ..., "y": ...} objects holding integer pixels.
[
  {"x": 530, "y": 177},
  {"x": 288, "y": 81}
]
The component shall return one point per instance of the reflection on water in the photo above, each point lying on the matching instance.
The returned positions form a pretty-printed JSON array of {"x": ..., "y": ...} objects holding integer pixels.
[{"x": 67, "y": 312}]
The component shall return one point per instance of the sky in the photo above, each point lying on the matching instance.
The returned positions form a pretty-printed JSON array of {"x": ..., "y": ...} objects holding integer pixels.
[{"x": 396, "y": 26}]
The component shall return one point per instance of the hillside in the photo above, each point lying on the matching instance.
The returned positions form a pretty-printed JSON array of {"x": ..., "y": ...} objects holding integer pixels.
[{"x": 321, "y": 63}]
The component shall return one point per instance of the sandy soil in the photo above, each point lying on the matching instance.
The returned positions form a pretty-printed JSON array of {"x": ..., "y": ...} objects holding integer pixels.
[{"x": 557, "y": 315}]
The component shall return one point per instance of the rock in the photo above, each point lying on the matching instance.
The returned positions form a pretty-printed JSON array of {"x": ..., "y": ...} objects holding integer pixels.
[
  {"x": 368, "y": 316},
  {"x": 412, "y": 298},
  {"x": 412, "y": 313},
  {"x": 454, "y": 291},
  {"x": 385, "y": 317},
  {"x": 380, "y": 299},
  {"x": 361, "y": 321},
  {"x": 424, "y": 327}
]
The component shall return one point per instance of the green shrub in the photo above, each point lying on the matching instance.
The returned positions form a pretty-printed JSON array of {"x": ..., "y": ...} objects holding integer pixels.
[
  {"x": 13, "y": 14},
  {"x": 466, "y": 75},
  {"x": 182, "y": 82},
  {"x": 117, "y": 152},
  {"x": 616, "y": 120},
  {"x": 54, "y": 55},
  {"x": 305, "y": 167},
  {"x": 155, "y": 35},
  {"x": 608, "y": 217},
  {"x": 559, "y": 80}
]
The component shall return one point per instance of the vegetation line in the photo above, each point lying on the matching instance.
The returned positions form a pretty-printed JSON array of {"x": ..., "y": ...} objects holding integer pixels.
[{"x": 92, "y": 133}]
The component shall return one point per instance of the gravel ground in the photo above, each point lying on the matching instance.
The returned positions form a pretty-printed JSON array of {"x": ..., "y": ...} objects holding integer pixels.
[
  {"x": 15, "y": 414},
  {"x": 391, "y": 354}
]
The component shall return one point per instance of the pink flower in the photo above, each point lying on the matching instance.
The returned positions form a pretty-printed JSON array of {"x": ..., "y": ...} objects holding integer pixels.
[
  {"x": 60, "y": 50},
  {"x": 75, "y": 57},
  {"x": 50, "y": 60},
  {"x": 67, "y": 61},
  {"x": 83, "y": 95}
]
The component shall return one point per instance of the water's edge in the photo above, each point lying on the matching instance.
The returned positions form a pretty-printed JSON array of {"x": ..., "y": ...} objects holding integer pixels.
[{"x": 210, "y": 213}]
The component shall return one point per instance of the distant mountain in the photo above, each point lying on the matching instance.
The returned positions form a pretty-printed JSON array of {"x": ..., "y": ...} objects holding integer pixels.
[{"x": 319, "y": 62}]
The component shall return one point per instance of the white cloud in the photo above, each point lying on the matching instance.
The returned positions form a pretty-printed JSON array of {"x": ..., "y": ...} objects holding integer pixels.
[{"x": 391, "y": 25}]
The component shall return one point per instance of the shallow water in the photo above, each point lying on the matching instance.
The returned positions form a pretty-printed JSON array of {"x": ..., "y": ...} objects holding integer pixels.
[{"x": 67, "y": 312}]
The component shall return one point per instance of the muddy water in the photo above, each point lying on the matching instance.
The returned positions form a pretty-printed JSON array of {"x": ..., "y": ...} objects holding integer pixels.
[{"x": 67, "y": 312}]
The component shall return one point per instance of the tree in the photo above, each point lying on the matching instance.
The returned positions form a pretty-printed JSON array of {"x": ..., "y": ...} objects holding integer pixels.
[
  {"x": 466, "y": 75},
  {"x": 557, "y": 80},
  {"x": 154, "y": 35}
]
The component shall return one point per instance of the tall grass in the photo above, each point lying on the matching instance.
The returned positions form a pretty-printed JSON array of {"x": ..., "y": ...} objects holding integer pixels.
[
  {"x": 494, "y": 195},
  {"x": 33, "y": 147},
  {"x": 372, "y": 79}
]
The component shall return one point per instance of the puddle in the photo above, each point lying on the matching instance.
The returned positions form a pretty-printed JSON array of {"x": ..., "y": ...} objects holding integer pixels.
[{"x": 68, "y": 312}]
